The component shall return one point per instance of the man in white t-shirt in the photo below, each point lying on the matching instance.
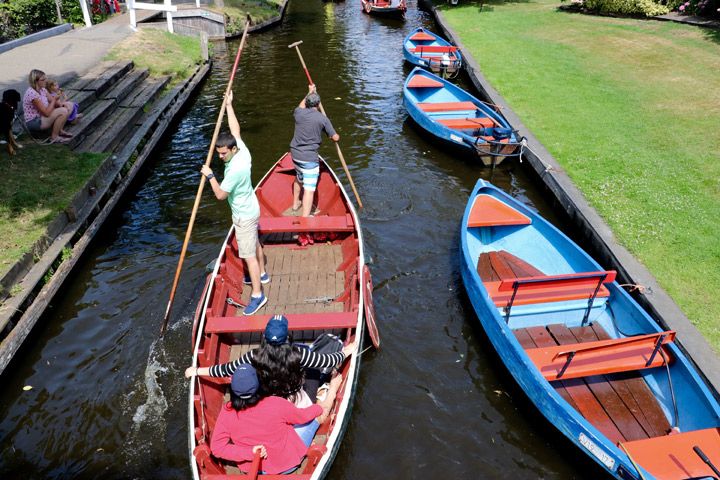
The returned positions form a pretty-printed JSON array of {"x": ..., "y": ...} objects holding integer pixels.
[{"x": 237, "y": 188}]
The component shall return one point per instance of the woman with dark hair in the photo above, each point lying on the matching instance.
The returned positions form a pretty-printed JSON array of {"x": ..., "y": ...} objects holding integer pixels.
[
  {"x": 280, "y": 363},
  {"x": 252, "y": 422}
]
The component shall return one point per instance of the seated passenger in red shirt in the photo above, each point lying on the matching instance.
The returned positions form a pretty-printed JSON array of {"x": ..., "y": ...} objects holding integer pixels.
[{"x": 252, "y": 423}]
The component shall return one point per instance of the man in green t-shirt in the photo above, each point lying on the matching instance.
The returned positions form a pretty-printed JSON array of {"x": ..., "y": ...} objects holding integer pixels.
[{"x": 237, "y": 188}]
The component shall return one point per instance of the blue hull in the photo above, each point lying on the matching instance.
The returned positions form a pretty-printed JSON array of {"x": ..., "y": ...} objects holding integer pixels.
[
  {"x": 543, "y": 246},
  {"x": 437, "y": 41},
  {"x": 469, "y": 140}
]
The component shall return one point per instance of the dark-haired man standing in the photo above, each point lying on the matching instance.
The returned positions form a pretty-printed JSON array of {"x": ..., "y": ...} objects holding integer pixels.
[
  {"x": 309, "y": 125},
  {"x": 237, "y": 188}
]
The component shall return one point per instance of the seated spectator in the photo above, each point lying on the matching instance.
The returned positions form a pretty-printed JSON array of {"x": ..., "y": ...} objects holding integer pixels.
[
  {"x": 251, "y": 422},
  {"x": 56, "y": 94},
  {"x": 40, "y": 114},
  {"x": 280, "y": 363}
]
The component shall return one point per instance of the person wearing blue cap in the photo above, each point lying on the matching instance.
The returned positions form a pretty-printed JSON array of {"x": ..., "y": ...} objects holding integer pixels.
[
  {"x": 280, "y": 363},
  {"x": 252, "y": 422}
]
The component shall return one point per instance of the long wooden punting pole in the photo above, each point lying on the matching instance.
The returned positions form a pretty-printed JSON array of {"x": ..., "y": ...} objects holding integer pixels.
[
  {"x": 211, "y": 150},
  {"x": 337, "y": 145}
]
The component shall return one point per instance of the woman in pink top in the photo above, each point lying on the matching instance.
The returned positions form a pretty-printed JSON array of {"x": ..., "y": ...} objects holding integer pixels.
[
  {"x": 250, "y": 423},
  {"x": 42, "y": 114}
]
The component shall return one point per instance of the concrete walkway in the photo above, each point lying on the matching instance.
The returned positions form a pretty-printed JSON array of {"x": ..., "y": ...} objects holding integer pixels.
[{"x": 65, "y": 56}]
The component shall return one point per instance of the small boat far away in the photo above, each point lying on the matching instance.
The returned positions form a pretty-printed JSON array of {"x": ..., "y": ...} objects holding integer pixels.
[
  {"x": 323, "y": 287},
  {"x": 384, "y": 7},
  {"x": 426, "y": 49},
  {"x": 453, "y": 115},
  {"x": 593, "y": 362}
]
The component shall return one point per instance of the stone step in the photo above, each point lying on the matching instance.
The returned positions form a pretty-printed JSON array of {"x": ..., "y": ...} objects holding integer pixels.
[
  {"x": 97, "y": 112},
  {"x": 127, "y": 84},
  {"x": 102, "y": 77},
  {"x": 116, "y": 126},
  {"x": 84, "y": 98},
  {"x": 145, "y": 93}
]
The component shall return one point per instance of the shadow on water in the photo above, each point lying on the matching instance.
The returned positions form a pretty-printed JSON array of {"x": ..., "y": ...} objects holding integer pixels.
[{"x": 109, "y": 399}]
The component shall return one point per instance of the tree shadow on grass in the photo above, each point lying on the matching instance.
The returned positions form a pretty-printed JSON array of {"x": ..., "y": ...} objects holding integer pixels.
[
  {"x": 712, "y": 34},
  {"x": 482, "y": 5}
]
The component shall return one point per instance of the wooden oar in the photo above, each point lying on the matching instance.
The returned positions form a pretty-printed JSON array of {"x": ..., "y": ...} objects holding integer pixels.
[
  {"x": 337, "y": 145},
  {"x": 198, "y": 196},
  {"x": 255, "y": 467}
]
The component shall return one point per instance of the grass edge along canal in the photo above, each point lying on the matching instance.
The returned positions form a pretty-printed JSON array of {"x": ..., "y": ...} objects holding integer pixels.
[
  {"x": 630, "y": 110},
  {"x": 41, "y": 180}
]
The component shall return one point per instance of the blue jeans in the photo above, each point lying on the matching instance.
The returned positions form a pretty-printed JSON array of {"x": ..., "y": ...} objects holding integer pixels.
[{"x": 306, "y": 432}]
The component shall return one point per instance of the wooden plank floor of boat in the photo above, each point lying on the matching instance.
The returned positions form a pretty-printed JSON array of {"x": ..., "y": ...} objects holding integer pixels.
[
  {"x": 301, "y": 279},
  {"x": 621, "y": 405}
]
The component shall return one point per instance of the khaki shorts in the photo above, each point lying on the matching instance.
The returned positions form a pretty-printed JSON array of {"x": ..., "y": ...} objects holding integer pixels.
[{"x": 246, "y": 235}]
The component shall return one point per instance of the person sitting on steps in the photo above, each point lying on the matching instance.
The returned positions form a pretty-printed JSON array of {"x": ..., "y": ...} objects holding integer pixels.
[{"x": 40, "y": 113}]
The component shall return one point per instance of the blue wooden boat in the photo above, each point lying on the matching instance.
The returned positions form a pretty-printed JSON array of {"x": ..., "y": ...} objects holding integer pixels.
[
  {"x": 425, "y": 49},
  {"x": 453, "y": 115},
  {"x": 587, "y": 355}
]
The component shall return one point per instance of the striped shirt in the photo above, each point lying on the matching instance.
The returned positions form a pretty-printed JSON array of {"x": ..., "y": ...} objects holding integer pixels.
[{"x": 308, "y": 359}]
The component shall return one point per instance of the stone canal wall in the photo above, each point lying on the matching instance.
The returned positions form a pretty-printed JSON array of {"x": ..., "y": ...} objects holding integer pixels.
[{"x": 594, "y": 232}]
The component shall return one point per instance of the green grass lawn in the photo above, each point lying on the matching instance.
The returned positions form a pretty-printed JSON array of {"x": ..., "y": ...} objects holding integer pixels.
[
  {"x": 38, "y": 185},
  {"x": 236, "y": 12},
  {"x": 631, "y": 109},
  {"x": 162, "y": 53}
]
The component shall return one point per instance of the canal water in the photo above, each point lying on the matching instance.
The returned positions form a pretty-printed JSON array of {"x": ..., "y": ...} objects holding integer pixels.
[{"x": 108, "y": 399}]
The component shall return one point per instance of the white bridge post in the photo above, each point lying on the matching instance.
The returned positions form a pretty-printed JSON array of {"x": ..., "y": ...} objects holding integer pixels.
[
  {"x": 168, "y": 13},
  {"x": 131, "y": 9}
]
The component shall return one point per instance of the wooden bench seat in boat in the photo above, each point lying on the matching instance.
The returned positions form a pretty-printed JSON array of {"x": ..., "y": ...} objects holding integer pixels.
[
  {"x": 619, "y": 405},
  {"x": 324, "y": 223},
  {"x": 434, "y": 49},
  {"x": 502, "y": 265},
  {"x": 601, "y": 356},
  {"x": 447, "y": 107},
  {"x": 672, "y": 456},
  {"x": 549, "y": 288},
  {"x": 488, "y": 211},
  {"x": 422, "y": 36},
  {"x": 466, "y": 123},
  {"x": 296, "y": 321},
  {"x": 421, "y": 81}
]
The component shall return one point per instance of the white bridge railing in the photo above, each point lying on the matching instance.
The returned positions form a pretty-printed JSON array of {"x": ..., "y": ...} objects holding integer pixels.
[{"x": 166, "y": 7}]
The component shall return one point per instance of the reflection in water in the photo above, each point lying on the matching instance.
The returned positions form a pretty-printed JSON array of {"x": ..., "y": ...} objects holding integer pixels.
[{"x": 108, "y": 397}]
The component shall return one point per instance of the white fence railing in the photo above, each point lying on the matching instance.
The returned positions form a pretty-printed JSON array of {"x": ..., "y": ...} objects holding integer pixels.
[{"x": 166, "y": 7}]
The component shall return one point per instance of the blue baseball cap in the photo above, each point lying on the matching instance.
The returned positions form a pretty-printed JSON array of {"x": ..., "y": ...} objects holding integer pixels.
[
  {"x": 244, "y": 382},
  {"x": 276, "y": 331}
]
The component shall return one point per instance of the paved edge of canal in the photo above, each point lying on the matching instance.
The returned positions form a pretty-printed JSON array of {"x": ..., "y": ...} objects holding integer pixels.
[{"x": 590, "y": 225}]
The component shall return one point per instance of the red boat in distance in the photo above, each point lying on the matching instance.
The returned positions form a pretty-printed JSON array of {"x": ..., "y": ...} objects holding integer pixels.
[{"x": 384, "y": 7}]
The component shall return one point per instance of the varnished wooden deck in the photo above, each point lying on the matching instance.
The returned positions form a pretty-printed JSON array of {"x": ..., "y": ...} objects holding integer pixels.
[{"x": 302, "y": 280}]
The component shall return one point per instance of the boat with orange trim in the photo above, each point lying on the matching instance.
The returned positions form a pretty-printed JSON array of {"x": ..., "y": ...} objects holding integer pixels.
[
  {"x": 593, "y": 362},
  {"x": 384, "y": 7}
]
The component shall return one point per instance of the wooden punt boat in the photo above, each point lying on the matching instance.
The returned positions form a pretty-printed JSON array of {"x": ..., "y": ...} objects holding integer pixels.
[
  {"x": 323, "y": 287},
  {"x": 587, "y": 355},
  {"x": 384, "y": 7},
  {"x": 425, "y": 49},
  {"x": 453, "y": 115}
]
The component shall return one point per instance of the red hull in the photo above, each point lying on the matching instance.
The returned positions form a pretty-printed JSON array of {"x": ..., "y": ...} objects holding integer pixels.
[{"x": 317, "y": 287}]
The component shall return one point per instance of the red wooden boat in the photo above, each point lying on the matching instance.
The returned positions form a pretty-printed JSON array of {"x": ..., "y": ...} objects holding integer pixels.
[
  {"x": 384, "y": 7},
  {"x": 321, "y": 287}
]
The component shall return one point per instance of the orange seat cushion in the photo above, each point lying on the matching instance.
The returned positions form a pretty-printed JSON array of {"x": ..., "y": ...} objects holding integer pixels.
[
  {"x": 421, "y": 81},
  {"x": 488, "y": 211},
  {"x": 466, "y": 123},
  {"x": 446, "y": 106}
]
